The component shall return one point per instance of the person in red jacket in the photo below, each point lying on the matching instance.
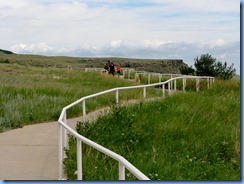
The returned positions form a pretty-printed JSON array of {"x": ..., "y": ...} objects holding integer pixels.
[{"x": 118, "y": 69}]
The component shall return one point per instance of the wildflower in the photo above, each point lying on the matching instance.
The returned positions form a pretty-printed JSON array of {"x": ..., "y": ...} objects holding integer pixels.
[
  {"x": 190, "y": 160},
  {"x": 224, "y": 143}
]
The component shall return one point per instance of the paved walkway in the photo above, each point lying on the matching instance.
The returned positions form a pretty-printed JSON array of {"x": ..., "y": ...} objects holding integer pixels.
[{"x": 31, "y": 152}]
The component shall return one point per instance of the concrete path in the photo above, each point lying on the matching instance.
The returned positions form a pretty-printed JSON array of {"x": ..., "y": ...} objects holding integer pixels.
[{"x": 31, "y": 152}]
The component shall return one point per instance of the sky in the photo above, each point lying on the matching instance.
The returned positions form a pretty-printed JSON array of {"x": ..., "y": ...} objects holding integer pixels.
[{"x": 156, "y": 29}]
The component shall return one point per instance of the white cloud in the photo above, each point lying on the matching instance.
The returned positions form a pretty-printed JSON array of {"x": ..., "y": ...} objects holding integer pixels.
[
  {"x": 154, "y": 49},
  {"x": 218, "y": 43},
  {"x": 146, "y": 28},
  {"x": 115, "y": 43},
  {"x": 33, "y": 48}
]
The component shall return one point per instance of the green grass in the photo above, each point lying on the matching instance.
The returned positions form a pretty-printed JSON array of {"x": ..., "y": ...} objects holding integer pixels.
[
  {"x": 36, "y": 94},
  {"x": 32, "y": 95},
  {"x": 192, "y": 136},
  {"x": 151, "y": 65}
]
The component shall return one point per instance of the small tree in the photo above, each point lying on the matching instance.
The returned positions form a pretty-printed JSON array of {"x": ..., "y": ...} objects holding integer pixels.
[
  {"x": 186, "y": 70},
  {"x": 207, "y": 65},
  {"x": 224, "y": 72}
]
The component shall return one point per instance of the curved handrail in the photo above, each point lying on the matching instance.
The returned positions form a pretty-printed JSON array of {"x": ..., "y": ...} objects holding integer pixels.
[
  {"x": 123, "y": 163},
  {"x": 106, "y": 151}
]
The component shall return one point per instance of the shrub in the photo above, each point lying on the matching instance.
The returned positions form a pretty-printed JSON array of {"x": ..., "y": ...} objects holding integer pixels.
[{"x": 207, "y": 65}]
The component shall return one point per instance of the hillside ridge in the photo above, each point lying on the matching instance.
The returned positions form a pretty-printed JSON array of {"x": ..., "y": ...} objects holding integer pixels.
[
  {"x": 150, "y": 65},
  {"x": 6, "y": 51}
]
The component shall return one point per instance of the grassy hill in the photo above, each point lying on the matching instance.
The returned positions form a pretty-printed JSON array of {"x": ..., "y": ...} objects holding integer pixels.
[
  {"x": 6, "y": 51},
  {"x": 192, "y": 136},
  {"x": 29, "y": 82},
  {"x": 151, "y": 65}
]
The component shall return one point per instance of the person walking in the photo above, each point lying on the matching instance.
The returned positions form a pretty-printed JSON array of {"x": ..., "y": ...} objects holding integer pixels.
[
  {"x": 106, "y": 67},
  {"x": 118, "y": 69},
  {"x": 111, "y": 68}
]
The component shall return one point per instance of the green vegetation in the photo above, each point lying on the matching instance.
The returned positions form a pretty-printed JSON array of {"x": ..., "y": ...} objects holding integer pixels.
[
  {"x": 77, "y": 63},
  {"x": 35, "y": 94},
  {"x": 34, "y": 88},
  {"x": 6, "y": 51},
  {"x": 191, "y": 136},
  {"x": 207, "y": 65}
]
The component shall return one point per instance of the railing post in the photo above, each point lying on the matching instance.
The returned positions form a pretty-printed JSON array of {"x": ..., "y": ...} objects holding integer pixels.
[
  {"x": 60, "y": 150},
  {"x": 159, "y": 78},
  {"x": 65, "y": 131},
  {"x": 208, "y": 83},
  {"x": 84, "y": 108},
  {"x": 169, "y": 83},
  {"x": 121, "y": 171},
  {"x": 163, "y": 89},
  {"x": 197, "y": 84},
  {"x": 175, "y": 84},
  {"x": 184, "y": 84},
  {"x": 117, "y": 96},
  {"x": 79, "y": 160},
  {"x": 124, "y": 73},
  {"x": 212, "y": 81},
  {"x": 144, "y": 92},
  {"x": 139, "y": 78}
]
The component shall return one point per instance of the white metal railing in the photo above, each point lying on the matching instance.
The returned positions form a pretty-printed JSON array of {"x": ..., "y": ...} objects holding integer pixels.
[
  {"x": 123, "y": 163},
  {"x": 102, "y": 70},
  {"x": 138, "y": 74}
]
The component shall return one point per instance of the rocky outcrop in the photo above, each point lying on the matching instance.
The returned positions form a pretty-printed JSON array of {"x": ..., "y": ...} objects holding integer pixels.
[{"x": 161, "y": 66}]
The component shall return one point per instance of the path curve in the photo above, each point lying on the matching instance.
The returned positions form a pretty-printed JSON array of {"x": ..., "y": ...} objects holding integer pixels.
[{"x": 31, "y": 152}]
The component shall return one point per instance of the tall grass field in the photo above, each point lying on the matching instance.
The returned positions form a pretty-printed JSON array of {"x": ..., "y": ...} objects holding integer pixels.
[
  {"x": 31, "y": 95},
  {"x": 187, "y": 136}
]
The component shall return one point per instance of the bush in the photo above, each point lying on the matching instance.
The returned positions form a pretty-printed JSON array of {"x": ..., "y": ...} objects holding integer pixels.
[
  {"x": 207, "y": 65},
  {"x": 186, "y": 70}
]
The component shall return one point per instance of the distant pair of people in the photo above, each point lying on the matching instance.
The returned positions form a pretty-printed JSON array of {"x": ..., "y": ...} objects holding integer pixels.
[{"x": 110, "y": 68}]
